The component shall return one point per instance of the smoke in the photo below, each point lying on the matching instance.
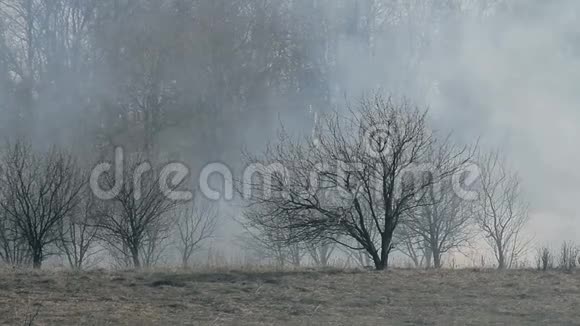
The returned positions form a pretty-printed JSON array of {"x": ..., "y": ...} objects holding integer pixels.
[
  {"x": 503, "y": 71},
  {"x": 512, "y": 81}
]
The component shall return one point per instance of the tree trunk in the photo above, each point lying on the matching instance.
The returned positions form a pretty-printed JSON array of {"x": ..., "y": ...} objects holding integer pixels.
[
  {"x": 324, "y": 257},
  {"x": 501, "y": 261},
  {"x": 37, "y": 259},
  {"x": 428, "y": 256},
  {"x": 500, "y": 256},
  {"x": 381, "y": 266},
  {"x": 135, "y": 256},
  {"x": 382, "y": 262},
  {"x": 296, "y": 260},
  {"x": 185, "y": 261},
  {"x": 436, "y": 258}
]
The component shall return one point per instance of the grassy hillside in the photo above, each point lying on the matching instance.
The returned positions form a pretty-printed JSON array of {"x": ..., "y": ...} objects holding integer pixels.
[{"x": 400, "y": 297}]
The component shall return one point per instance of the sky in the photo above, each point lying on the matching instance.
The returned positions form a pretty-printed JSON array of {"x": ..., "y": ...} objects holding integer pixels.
[{"x": 518, "y": 76}]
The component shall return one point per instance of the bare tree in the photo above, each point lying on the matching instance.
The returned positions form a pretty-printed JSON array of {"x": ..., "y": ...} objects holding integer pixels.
[
  {"x": 295, "y": 254},
  {"x": 196, "y": 224},
  {"x": 322, "y": 253},
  {"x": 13, "y": 248},
  {"x": 544, "y": 259},
  {"x": 140, "y": 206},
  {"x": 274, "y": 244},
  {"x": 39, "y": 191},
  {"x": 501, "y": 212},
  {"x": 568, "y": 258},
  {"x": 78, "y": 236},
  {"x": 155, "y": 244},
  {"x": 356, "y": 180},
  {"x": 120, "y": 257},
  {"x": 271, "y": 248},
  {"x": 263, "y": 247},
  {"x": 411, "y": 245},
  {"x": 360, "y": 257},
  {"x": 442, "y": 224}
]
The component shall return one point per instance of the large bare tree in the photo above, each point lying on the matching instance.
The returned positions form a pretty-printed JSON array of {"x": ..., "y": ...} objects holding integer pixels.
[
  {"x": 38, "y": 192},
  {"x": 357, "y": 179},
  {"x": 501, "y": 211}
]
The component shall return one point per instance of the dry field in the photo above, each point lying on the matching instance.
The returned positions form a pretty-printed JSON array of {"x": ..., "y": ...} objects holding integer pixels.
[{"x": 400, "y": 297}]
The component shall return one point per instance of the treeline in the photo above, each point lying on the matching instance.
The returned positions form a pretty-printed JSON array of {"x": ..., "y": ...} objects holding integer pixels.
[
  {"x": 379, "y": 178},
  {"x": 48, "y": 208}
]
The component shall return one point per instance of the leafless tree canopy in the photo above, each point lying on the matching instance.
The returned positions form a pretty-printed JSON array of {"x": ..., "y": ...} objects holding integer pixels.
[
  {"x": 501, "y": 211},
  {"x": 357, "y": 179},
  {"x": 196, "y": 223},
  {"x": 441, "y": 225},
  {"x": 322, "y": 253},
  {"x": 275, "y": 245},
  {"x": 39, "y": 191},
  {"x": 78, "y": 234},
  {"x": 413, "y": 246},
  {"x": 14, "y": 250},
  {"x": 130, "y": 222}
]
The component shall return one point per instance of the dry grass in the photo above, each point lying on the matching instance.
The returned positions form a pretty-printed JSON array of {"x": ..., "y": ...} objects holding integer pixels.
[{"x": 400, "y": 297}]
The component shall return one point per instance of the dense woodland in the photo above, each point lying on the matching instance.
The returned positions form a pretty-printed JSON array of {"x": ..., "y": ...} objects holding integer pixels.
[{"x": 187, "y": 77}]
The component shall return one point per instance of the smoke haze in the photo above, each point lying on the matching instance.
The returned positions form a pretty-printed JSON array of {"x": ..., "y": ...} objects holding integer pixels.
[{"x": 200, "y": 80}]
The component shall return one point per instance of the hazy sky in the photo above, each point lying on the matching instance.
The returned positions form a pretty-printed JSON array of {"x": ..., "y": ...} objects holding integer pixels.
[
  {"x": 511, "y": 78},
  {"x": 514, "y": 80}
]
